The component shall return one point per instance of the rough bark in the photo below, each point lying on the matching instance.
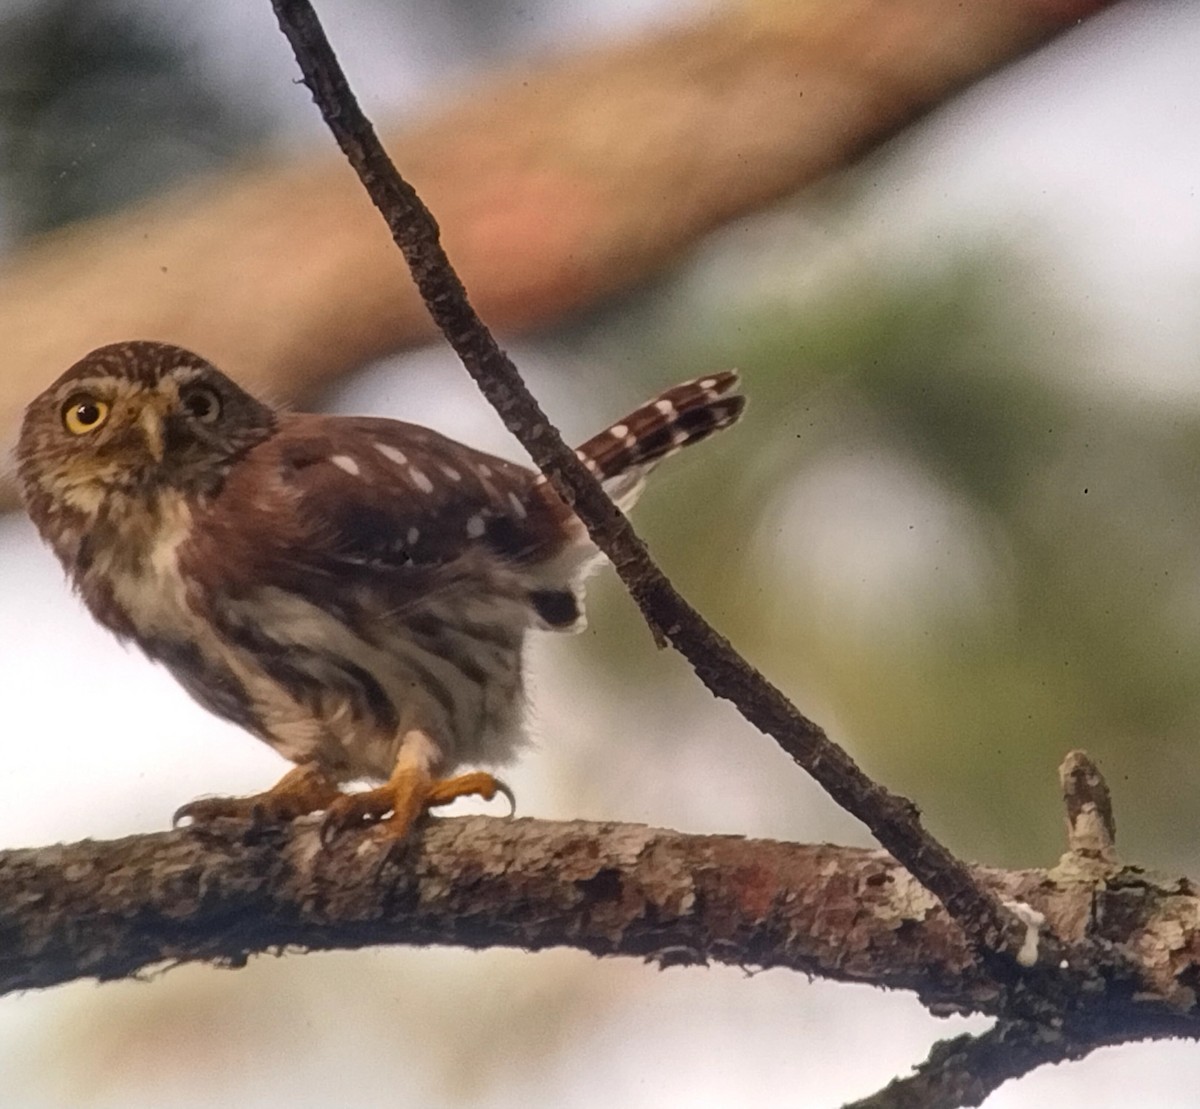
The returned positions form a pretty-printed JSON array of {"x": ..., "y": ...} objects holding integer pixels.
[
  {"x": 123, "y": 907},
  {"x": 559, "y": 182}
]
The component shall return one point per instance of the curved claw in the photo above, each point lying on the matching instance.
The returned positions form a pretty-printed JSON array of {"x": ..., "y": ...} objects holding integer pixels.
[
  {"x": 394, "y": 808},
  {"x": 204, "y": 809},
  {"x": 503, "y": 789},
  {"x": 328, "y": 830},
  {"x": 351, "y": 810},
  {"x": 302, "y": 790}
]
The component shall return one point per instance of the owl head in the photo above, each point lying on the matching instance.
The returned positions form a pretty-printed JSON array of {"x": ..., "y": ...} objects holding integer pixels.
[{"x": 129, "y": 421}]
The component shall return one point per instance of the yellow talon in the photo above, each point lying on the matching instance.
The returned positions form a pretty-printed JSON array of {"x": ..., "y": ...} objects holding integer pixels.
[
  {"x": 302, "y": 790},
  {"x": 396, "y": 805}
]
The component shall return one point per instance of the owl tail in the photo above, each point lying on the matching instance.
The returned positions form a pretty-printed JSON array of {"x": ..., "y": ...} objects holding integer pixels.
[{"x": 623, "y": 454}]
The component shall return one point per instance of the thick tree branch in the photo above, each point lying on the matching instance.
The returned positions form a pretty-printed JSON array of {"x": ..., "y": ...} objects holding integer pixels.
[
  {"x": 638, "y": 148},
  {"x": 120, "y": 908},
  {"x": 892, "y": 819},
  {"x": 117, "y": 908}
]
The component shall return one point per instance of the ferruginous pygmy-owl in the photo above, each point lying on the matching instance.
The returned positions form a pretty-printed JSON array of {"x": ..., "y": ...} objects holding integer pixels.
[{"x": 354, "y": 591}]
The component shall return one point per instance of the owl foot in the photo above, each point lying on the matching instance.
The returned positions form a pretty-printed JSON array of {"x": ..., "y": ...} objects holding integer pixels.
[
  {"x": 303, "y": 790},
  {"x": 397, "y": 805}
]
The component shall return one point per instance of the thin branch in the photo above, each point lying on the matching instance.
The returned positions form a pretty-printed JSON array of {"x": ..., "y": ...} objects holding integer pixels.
[
  {"x": 965, "y": 1070},
  {"x": 893, "y": 820}
]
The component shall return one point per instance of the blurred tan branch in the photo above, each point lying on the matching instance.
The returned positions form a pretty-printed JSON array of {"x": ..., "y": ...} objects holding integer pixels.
[{"x": 559, "y": 183}]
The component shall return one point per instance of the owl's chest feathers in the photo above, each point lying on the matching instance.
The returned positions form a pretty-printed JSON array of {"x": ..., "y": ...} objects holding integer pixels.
[
  {"x": 323, "y": 669},
  {"x": 129, "y": 572}
]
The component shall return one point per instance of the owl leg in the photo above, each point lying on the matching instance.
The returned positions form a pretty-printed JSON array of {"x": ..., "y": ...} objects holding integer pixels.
[
  {"x": 411, "y": 790},
  {"x": 303, "y": 789}
]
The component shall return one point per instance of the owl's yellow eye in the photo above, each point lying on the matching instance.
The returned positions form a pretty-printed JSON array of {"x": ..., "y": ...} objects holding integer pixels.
[{"x": 82, "y": 414}]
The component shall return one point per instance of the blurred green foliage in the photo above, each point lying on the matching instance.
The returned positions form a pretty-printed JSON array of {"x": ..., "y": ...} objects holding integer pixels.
[{"x": 1031, "y": 588}]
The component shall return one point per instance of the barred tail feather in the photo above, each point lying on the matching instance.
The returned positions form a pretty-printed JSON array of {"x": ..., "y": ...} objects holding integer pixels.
[{"x": 623, "y": 454}]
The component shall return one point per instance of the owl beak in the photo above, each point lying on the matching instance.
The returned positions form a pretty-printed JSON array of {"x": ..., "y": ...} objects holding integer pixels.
[{"x": 151, "y": 419}]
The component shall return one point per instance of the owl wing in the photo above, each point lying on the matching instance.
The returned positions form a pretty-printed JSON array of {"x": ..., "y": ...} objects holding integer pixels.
[{"x": 376, "y": 492}]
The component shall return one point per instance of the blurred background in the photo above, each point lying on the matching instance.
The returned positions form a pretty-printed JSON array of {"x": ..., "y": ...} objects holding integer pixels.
[{"x": 958, "y": 525}]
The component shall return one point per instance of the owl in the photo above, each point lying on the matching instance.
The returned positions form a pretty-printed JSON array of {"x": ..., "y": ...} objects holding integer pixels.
[{"x": 354, "y": 591}]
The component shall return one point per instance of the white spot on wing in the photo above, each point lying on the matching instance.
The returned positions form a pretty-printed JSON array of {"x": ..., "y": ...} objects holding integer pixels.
[
  {"x": 345, "y": 462},
  {"x": 475, "y": 526},
  {"x": 413, "y": 535},
  {"x": 619, "y": 431},
  {"x": 665, "y": 407},
  {"x": 518, "y": 506},
  {"x": 420, "y": 479},
  {"x": 451, "y": 473},
  {"x": 391, "y": 453},
  {"x": 484, "y": 470}
]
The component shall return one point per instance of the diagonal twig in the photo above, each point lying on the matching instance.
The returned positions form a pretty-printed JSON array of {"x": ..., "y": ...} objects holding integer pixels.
[{"x": 894, "y": 820}]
